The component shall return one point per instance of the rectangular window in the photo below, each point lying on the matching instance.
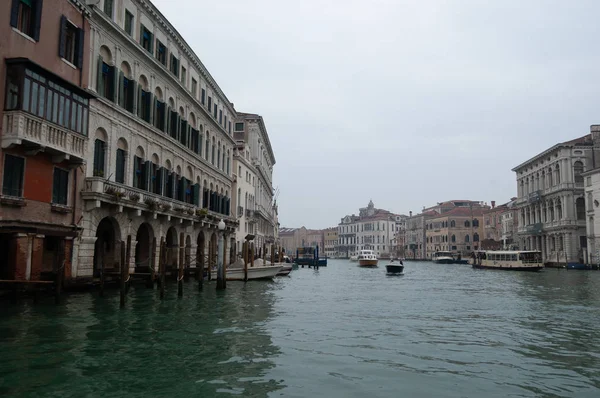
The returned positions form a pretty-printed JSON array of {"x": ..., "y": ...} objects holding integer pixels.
[
  {"x": 202, "y": 96},
  {"x": 239, "y": 126},
  {"x": 145, "y": 106},
  {"x": 60, "y": 186},
  {"x": 25, "y": 15},
  {"x": 183, "y": 75},
  {"x": 108, "y": 7},
  {"x": 174, "y": 65},
  {"x": 209, "y": 103},
  {"x": 146, "y": 39},
  {"x": 14, "y": 169},
  {"x": 161, "y": 52},
  {"x": 220, "y": 117},
  {"x": 215, "y": 111},
  {"x": 229, "y": 127},
  {"x": 129, "y": 23},
  {"x": 194, "y": 87}
]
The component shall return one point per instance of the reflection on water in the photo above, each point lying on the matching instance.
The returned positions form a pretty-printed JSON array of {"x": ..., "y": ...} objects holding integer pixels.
[
  {"x": 340, "y": 331},
  {"x": 205, "y": 343}
]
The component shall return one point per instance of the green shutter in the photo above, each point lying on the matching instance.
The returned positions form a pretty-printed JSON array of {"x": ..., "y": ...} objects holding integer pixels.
[
  {"x": 135, "y": 169},
  {"x": 121, "y": 85},
  {"x": 152, "y": 109},
  {"x": 197, "y": 194},
  {"x": 100, "y": 78}
]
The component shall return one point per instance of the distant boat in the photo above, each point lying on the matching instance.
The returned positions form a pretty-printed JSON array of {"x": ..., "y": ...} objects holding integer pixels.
[
  {"x": 394, "y": 267},
  {"x": 508, "y": 260},
  {"x": 443, "y": 258},
  {"x": 353, "y": 258},
  {"x": 367, "y": 258}
]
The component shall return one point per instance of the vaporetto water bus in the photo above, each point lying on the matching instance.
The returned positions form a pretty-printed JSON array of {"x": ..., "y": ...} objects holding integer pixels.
[{"x": 512, "y": 260}]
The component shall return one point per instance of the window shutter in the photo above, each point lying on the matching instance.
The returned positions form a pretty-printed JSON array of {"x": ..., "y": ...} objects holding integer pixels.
[
  {"x": 38, "y": 19},
  {"x": 148, "y": 176},
  {"x": 119, "y": 177},
  {"x": 136, "y": 161},
  {"x": 139, "y": 100},
  {"x": 159, "y": 181},
  {"x": 14, "y": 13},
  {"x": 62, "y": 38},
  {"x": 151, "y": 36},
  {"x": 228, "y": 209},
  {"x": 142, "y": 35},
  {"x": 163, "y": 186},
  {"x": 173, "y": 185},
  {"x": 152, "y": 106},
  {"x": 168, "y": 121},
  {"x": 121, "y": 85},
  {"x": 80, "y": 39},
  {"x": 178, "y": 127},
  {"x": 133, "y": 97},
  {"x": 99, "y": 78},
  {"x": 114, "y": 83},
  {"x": 197, "y": 194}
]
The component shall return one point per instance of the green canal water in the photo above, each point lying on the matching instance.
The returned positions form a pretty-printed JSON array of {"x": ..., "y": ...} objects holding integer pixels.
[{"x": 340, "y": 331}]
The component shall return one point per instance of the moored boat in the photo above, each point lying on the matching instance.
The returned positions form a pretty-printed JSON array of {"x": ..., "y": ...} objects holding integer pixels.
[
  {"x": 443, "y": 258},
  {"x": 367, "y": 258},
  {"x": 236, "y": 273},
  {"x": 285, "y": 269},
  {"x": 512, "y": 260}
]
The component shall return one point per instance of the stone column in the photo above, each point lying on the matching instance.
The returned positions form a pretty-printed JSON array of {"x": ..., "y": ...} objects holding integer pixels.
[
  {"x": 546, "y": 251},
  {"x": 37, "y": 257},
  {"x": 568, "y": 246}
]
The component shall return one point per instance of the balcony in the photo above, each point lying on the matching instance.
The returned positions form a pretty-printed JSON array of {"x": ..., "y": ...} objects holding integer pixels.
[
  {"x": 97, "y": 190},
  {"x": 534, "y": 197},
  {"x": 550, "y": 225},
  {"x": 36, "y": 134}
]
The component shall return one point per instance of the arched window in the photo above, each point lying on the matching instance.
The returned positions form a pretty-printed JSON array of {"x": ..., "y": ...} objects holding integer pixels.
[
  {"x": 557, "y": 174},
  {"x": 475, "y": 222},
  {"x": 453, "y": 238},
  {"x": 550, "y": 183},
  {"x": 212, "y": 158},
  {"x": 228, "y": 162},
  {"x": 452, "y": 224},
  {"x": 467, "y": 223},
  {"x": 139, "y": 169},
  {"x": 475, "y": 237},
  {"x": 145, "y": 98},
  {"x": 105, "y": 84},
  {"x": 126, "y": 87},
  {"x": 467, "y": 239},
  {"x": 577, "y": 170}
]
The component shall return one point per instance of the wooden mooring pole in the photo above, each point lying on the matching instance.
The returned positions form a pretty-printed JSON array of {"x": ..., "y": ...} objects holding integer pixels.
[
  {"x": 161, "y": 267},
  {"x": 123, "y": 256},
  {"x": 245, "y": 253},
  {"x": 180, "y": 274},
  {"x": 152, "y": 264}
]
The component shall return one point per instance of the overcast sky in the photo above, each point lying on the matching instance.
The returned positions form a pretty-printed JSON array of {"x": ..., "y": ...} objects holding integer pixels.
[{"x": 407, "y": 103}]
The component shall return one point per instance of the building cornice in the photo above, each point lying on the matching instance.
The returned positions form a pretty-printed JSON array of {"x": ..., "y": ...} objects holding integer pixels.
[
  {"x": 161, "y": 69},
  {"x": 549, "y": 151}
]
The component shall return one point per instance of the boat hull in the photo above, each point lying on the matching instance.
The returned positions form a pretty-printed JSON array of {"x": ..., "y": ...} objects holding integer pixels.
[
  {"x": 367, "y": 263},
  {"x": 444, "y": 261},
  {"x": 394, "y": 269},
  {"x": 529, "y": 269},
  {"x": 285, "y": 270},
  {"x": 254, "y": 273}
]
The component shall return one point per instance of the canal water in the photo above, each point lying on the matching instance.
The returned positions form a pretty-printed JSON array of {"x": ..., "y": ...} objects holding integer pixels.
[{"x": 340, "y": 331}]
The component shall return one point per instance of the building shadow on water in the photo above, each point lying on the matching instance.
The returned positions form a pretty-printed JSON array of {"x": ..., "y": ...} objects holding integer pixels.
[{"x": 199, "y": 345}]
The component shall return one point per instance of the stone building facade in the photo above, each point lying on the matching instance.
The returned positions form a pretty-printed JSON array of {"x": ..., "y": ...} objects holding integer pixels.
[
  {"x": 458, "y": 230},
  {"x": 259, "y": 158},
  {"x": 414, "y": 236},
  {"x": 551, "y": 200},
  {"x": 347, "y": 229},
  {"x": 160, "y": 146},
  {"x": 509, "y": 221},
  {"x": 331, "y": 242},
  {"x": 44, "y": 135}
]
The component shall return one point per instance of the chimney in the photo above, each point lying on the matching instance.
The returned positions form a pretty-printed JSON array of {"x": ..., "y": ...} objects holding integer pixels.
[{"x": 493, "y": 203}]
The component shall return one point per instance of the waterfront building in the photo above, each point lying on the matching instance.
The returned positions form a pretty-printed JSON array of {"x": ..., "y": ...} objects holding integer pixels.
[
  {"x": 551, "y": 200},
  {"x": 44, "y": 63},
  {"x": 414, "y": 236},
  {"x": 399, "y": 240},
  {"x": 160, "y": 147},
  {"x": 592, "y": 205},
  {"x": 509, "y": 221},
  {"x": 347, "y": 229},
  {"x": 458, "y": 230},
  {"x": 331, "y": 242},
  {"x": 492, "y": 226},
  {"x": 375, "y": 230},
  {"x": 255, "y": 163},
  {"x": 292, "y": 238}
]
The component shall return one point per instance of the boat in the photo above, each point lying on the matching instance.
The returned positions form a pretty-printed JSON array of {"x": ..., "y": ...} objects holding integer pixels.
[
  {"x": 394, "y": 267},
  {"x": 353, "y": 258},
  {"x": 261, "y": 270},
  {"x": 367, "y": 258},
  {"x": 307, "y": 256},
  {"x": 285, "y": 269},
  {"x": 443, "y": 258},
  {"x": 513, "y": 260},
  {"x": 322, "y": 261}
]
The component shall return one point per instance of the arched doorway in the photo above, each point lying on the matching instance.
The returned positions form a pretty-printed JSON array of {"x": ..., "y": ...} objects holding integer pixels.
[
  {"x": 107, "y": 249},
  {"x": 143, "y": 248},
  {"x": 172, "y": 248}
]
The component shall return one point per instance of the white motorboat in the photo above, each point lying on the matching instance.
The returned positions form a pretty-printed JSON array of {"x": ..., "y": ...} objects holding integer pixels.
[
  {"x": 367, "y": 258},
  {"x": 353, "y": 258},
  {"x": 261, "y": 270},
  {"x": 443, "y": 258},
  {"x": 285, "y": 270}
]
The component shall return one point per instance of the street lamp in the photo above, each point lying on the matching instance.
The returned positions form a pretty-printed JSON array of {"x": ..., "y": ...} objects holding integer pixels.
[{"x": 220, "y": 266}]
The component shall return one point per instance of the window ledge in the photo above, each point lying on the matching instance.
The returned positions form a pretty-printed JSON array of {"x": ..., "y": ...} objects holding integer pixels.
[
  {"x": 57, "y": 208},
  {"x": 66, "y": 61},
  {"x": 12, "y": 201},
  {"x": 24, "y": 35}
]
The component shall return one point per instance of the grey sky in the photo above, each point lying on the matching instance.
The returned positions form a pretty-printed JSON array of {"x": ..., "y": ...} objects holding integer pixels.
[{"x": 404, "y": 102}]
